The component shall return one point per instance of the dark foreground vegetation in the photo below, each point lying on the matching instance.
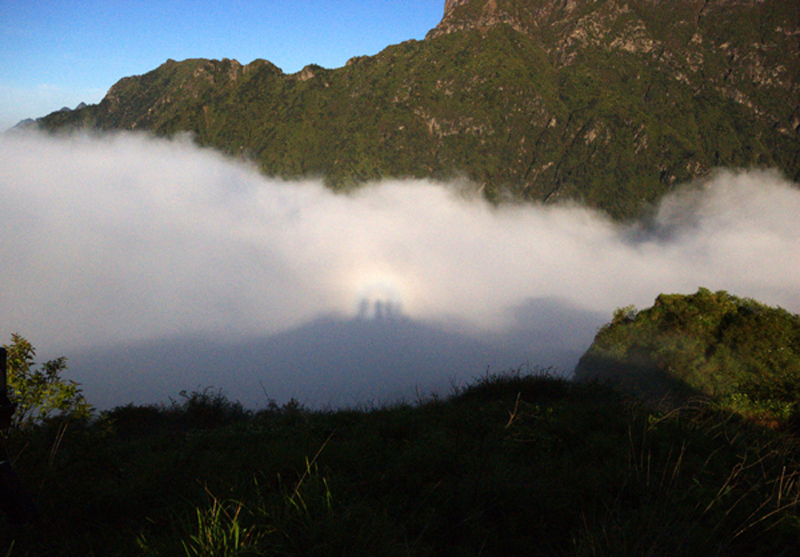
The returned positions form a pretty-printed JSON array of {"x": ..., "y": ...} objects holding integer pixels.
[
  {"x": 511, "y": 464},
  {"x": 692, "y": 449}
]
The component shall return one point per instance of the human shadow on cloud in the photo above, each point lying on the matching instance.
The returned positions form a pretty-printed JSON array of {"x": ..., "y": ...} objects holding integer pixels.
[{"x": 334, "y": 361}]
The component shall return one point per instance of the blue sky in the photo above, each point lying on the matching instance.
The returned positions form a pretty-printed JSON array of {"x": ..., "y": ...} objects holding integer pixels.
[{"x": 58, "y": 53}]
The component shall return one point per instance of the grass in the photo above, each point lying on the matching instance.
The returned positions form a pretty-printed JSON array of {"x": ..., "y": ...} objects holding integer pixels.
[{"x": 512, "y": 464}]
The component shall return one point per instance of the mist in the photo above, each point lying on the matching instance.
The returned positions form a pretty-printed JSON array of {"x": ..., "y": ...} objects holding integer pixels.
[{"x": 155, "y": 266}]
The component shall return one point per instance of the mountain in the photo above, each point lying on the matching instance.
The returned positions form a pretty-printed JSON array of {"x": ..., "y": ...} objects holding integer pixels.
[{"x": 609, "y": 102}]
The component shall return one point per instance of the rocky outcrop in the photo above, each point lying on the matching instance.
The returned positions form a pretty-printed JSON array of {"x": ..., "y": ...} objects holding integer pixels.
[{"x": 461, "y": 15}]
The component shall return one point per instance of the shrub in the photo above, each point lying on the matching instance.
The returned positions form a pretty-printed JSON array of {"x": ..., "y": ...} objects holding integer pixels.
[
  {"x": 743, "y": 353},
  {"x": 40, "y": 393}
]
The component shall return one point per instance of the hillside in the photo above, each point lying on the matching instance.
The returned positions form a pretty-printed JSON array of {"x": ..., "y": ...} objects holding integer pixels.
[
  {"x": 509, "y": 465},
  {"x": 611, "y": 103},
  {"x": 743, "y": 354}
]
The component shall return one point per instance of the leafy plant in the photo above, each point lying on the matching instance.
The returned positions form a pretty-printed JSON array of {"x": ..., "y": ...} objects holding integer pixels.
[{"x": 42, "y": 392}]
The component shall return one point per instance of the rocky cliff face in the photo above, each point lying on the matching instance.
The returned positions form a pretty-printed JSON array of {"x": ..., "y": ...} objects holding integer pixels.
[
  {"x": 460, "y": 15},
  {"x": 609, "y": 102}
]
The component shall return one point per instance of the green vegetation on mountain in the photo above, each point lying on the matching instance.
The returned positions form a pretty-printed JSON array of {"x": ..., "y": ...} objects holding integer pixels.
[
  {"x": 743, "y": 354},
  {"x": 40, "y": 392},
  {"x": 608, "y": 102}
]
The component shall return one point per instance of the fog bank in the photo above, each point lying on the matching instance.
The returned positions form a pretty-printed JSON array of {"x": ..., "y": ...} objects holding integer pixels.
[{"x": 124, "y": 240}]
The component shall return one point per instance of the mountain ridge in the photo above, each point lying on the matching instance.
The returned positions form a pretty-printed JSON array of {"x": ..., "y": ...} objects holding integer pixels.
[{"x": 609, "y": 103}]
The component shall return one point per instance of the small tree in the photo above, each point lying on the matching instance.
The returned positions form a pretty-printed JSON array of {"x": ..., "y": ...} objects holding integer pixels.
[{"x": 40, "y": 393}]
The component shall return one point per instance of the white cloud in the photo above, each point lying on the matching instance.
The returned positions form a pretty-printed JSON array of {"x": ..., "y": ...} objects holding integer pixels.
[{"x": 124, "y": 238}]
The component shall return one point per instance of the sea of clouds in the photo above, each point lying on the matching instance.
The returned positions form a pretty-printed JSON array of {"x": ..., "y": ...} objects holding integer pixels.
[{"x": 155, "y": 265}]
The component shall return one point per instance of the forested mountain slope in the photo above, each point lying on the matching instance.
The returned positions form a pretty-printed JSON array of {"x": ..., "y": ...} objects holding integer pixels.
[{"x": 609, "y": 102}]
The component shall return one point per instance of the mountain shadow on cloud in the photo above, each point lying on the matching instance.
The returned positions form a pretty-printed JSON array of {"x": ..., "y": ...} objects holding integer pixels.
[
  {"x": 331, "y": 361},
  {"x": 554, "y": 330},
  {"x": 347, "y": 362}
]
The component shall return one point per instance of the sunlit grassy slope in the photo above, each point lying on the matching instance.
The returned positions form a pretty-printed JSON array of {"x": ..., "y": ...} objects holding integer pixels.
[{"x": 742, "y": 354}]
